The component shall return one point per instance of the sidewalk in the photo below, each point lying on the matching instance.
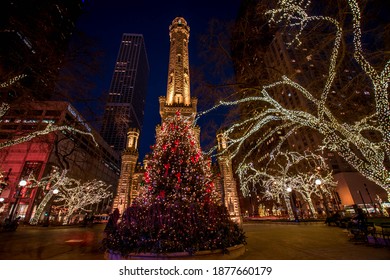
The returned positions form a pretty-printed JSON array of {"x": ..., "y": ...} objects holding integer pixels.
[{"x": 305, "y": 241}]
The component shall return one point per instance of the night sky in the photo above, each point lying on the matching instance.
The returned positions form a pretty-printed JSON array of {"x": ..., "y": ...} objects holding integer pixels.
[{"x": 106, "y": 21}]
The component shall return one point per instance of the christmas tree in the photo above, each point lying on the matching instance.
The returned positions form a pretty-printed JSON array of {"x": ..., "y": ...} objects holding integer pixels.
[{"x": 179, "y": 209}]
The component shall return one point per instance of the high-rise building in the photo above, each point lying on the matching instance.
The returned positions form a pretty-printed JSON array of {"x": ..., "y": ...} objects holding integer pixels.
[
  {"x": 35, "y": 36},
  {"x": 127, "y": 94}
]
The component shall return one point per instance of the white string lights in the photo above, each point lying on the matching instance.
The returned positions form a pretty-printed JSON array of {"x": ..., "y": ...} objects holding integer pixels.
[
  {"x": 49, "y": 128},
  {"x": 69, "y": 194},
  {"x": 349, "y": 140},
  {"x": 75, "y": 195},
  {"x": 50, "y": 183},
  {"x": 4, "y": 107},
  {"x": 12, "y": 81},
  {"x": 280, "y": 177}
]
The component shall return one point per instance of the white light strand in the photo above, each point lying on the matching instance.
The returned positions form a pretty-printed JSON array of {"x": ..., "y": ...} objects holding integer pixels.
[
  {"x": 12, "y": 81},
  {"x": 347, "y": 140},
  {"x": 72, "y": 195},
  {"x": 4, "y": 107},
  {"x": 50, "y": 183},
  {"x": 76, "y": 196},
  {"x": 279, "y": 175},
  {"x": 49, "y": 128}
]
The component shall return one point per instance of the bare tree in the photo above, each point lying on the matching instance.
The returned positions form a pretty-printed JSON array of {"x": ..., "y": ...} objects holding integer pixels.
[
  {"x": 363, "y": 142},
  {"x": 287, "y": 172},
  {"x": 67, "y": 193},
  {"x": 77, "y": 196}
]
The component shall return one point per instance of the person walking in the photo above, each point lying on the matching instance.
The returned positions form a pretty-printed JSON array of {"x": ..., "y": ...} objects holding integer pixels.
[{"x": 112, "y": 222}]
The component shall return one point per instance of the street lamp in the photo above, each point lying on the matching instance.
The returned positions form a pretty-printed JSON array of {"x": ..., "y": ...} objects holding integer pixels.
[
  {"x": 22, "y": 183},
  {"x": 288, "y": 201},
  {"x": 48, "y": 213},
  {"x": 292, "y": 207},
  {"x": 318, "y": 183}
]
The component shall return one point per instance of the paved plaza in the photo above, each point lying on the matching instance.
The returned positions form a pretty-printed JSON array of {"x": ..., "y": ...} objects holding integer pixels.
[
  {"x": 266, "y": 241},
  {"x": 314, "y": 241}
]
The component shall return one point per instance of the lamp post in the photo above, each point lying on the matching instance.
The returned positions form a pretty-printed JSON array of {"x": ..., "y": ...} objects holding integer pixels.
[
  {"x": 293, "y": 203},
  {"x": 369, "y": 195},
  {"x": 47, "y": 214},
  {"x": 291, "y": 213},
  {"x": 318, "y": 183},
  {"x": 22, "y": 184}
]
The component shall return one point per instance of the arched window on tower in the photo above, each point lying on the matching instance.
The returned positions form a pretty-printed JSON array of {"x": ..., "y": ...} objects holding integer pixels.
[{"x": 179, "y": 98}]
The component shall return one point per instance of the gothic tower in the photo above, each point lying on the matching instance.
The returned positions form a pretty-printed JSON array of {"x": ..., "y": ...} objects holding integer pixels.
[
  {"x": 178, "y": 95},
  {"x": 129, "y": 161},
  {"x": 229, "y": 193}
]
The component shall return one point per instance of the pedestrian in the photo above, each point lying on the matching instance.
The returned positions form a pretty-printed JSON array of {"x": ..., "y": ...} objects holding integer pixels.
[
  {"x": 112, "y": 222},
  {"x": 335, "y": 218},
  {"x": 360, "y": 218}
]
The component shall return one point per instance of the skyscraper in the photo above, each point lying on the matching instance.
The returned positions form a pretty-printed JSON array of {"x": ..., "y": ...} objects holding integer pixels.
[
  {"x": 127, "y": 94},
  {"x": 35, "y": 37}
]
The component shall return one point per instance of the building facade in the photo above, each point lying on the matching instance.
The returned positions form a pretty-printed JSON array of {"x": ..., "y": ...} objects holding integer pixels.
[
  {"x": 64, "y": 149},
  {"x": 35, "y": 37},
  {"x": 126, "y": 98},
  {"x": 229, "y": 186}
]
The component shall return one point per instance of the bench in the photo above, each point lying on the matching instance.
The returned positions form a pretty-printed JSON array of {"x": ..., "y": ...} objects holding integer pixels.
[
  {"x": 378, "y": 235},
  {"x": 360, "y": 231},
  {"x": 386, "y": 233}
]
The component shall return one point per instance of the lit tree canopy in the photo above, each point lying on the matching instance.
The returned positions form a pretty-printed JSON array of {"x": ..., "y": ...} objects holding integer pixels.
[
  {"x": 289, "y": 171},
  {"x": 351, "y": 140},
  {"x": 68, "y": 193},
  {"x": 77, "y": 195}
]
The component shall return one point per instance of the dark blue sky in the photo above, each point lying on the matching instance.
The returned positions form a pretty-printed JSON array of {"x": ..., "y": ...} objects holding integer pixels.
[{"x": 106, "y": 21}]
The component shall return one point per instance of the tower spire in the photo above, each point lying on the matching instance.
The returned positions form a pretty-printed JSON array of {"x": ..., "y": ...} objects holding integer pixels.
[
  {"x": 178, "y": 88},
  {"x": 178, "y": 97},
  {"x": 128, "y": 168}
]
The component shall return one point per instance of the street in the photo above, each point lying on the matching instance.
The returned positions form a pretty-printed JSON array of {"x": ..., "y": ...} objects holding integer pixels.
[{"x": 266, "y": 241}]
